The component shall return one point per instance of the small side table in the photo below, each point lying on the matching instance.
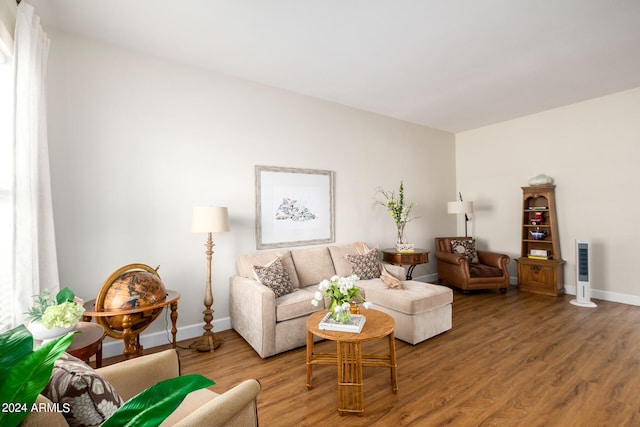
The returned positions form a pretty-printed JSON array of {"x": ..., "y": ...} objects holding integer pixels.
[
  {"x": 418, "y": 256},
  {"x": 87, "y": 342},
  {"x": 349, "y": 358}
]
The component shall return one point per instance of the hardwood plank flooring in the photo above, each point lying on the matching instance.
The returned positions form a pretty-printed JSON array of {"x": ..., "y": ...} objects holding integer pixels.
[{"x": 513, "y": 359}]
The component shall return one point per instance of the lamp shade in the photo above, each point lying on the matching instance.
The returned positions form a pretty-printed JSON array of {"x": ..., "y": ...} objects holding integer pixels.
[
  {"x": 210, "y": 220},
  {"x": 459, "y": 207}
]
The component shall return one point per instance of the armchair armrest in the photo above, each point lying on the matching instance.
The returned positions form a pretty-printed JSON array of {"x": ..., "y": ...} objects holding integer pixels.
[
  {"x": 252, "y": 308},
  {"x": 450, "y": 258},
  {"x": 130, "y": 377},
  {"x": 235, "y": 407},
  {"x": 493, "y": 259}
]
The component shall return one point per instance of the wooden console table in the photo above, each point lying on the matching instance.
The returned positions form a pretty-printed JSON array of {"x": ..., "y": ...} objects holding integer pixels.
[
  {"x": 418, "y": 256},
  {"x": 131, "y": 336}
]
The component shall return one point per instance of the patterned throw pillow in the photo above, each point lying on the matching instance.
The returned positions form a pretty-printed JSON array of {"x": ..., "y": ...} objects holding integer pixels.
[
  {"x": 275, "y": 277},
  {"x": 466, "y": 248},
  {"x": 366, "y": 266},
  {"x": 90, "y": 398}
]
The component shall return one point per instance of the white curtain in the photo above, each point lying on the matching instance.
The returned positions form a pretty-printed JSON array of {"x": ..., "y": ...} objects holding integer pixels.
[{"x": 35, "y": 261}]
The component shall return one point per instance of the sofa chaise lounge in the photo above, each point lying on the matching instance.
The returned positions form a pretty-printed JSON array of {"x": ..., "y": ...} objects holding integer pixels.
[{"x": 272, "y": 325}]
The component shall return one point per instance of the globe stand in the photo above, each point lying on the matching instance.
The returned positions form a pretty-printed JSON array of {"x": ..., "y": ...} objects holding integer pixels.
[{"x": 208, "y": 341}]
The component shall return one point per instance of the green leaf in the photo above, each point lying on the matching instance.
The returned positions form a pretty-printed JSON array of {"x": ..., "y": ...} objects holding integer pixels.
[
  {"x": 15, "y": 345},
  {"x": 153, "y": 405},
  {"x": 26, "y": 378},
  {"x": 65, "y": 295}
]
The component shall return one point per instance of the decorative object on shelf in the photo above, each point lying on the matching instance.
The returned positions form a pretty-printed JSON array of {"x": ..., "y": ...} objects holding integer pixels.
[
  {"x": 209, "y": 220},
  {"x": 400, "y": 212},
  {"x": 541, "y": 179},
  {"x": 50, "y": 319},
  {"x": 459, "y": 207},
  {"x": 342, "y": 292},
  {"x": 538, "y": 234}
]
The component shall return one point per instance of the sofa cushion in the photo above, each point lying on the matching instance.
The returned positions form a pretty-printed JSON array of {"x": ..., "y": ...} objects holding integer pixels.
[
  {"x": 245, "y": 264},
  {"x": 417, "y": 297},
  {"x": 275, "y": 277},
  {"x": 365, "y": 266},
  {"x": 340, "y": 263},
  {"x": 90, "y": 397},
  {"x": 296, "y": 304},
  {"x": 466, "y": 248},
  {"x": 312, "y": 265}
]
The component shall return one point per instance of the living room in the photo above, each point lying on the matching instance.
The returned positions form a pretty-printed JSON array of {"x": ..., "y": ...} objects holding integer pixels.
[{"x": 136, "y": 141}]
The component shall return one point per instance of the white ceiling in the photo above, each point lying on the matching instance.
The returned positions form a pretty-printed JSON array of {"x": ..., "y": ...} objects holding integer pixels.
[{"x": 450, "y": 64}]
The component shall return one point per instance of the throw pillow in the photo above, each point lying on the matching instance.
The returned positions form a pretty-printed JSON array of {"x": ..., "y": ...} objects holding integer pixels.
[
  {"x": 275, "y": 277},
  {"x": 466, "y": 248},
  {"x": 366, "y": 266},
  {"x": 89, "y": 398}
]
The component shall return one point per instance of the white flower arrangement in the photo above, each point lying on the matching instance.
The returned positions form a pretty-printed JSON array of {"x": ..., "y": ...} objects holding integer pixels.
[{"x": 343, "y": 292}]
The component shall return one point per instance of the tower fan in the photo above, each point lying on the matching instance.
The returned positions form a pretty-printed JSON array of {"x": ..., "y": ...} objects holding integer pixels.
[{"x": 583, "y": 262}]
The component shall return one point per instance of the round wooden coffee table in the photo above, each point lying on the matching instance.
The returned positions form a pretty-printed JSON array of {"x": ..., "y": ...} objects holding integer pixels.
[{"x": 349, "y": 358}]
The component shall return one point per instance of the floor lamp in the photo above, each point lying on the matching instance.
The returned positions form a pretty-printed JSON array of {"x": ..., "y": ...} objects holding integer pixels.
[
  {"x": 459, "y": 207},
  {"x": 209, "y": 220}
]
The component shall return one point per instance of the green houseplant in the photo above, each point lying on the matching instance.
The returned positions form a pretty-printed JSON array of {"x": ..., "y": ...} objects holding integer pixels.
[{"x": 25, "y": 372}]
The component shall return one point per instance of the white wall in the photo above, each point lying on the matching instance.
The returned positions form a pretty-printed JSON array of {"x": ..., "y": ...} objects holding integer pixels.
[
  {"x": 136, "y": 142},
  {"x": 591, "y": 149}
]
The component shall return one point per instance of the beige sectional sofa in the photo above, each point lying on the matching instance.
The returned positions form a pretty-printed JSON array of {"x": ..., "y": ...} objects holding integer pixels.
[{"x": 272, "y": 325}]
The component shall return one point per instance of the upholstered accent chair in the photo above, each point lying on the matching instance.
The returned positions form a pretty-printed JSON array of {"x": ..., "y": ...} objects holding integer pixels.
[
  {"x": 235, "y": 407},
  {"x": 461, "y": 265}
]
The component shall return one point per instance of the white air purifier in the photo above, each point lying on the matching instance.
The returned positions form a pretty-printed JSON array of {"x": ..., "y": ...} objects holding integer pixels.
[{"x": 583, "y": 274}]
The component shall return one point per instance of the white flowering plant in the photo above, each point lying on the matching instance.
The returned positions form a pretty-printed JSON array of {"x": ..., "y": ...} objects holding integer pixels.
[
  {"x": 342, "y": 291},
  {"x": 63, "y": 312}
]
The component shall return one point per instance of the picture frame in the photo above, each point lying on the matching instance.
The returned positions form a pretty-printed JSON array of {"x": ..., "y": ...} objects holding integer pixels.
[{"x": 294, "y": 207}]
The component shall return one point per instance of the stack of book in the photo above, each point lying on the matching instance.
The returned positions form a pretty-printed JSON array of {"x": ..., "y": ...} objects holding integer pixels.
[
  {"x": 355, "y": 325},
  {"x": 539, "y": 254}
]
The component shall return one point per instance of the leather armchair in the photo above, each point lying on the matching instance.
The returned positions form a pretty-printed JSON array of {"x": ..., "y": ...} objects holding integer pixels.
[{"x": 456, "y": 270}]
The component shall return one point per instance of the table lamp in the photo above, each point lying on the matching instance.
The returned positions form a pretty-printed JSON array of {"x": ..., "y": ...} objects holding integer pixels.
[{"x": 209, "y": 220}]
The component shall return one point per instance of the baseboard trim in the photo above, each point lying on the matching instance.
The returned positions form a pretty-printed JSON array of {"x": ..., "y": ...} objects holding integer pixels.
[{"x": 155, "y": 339}]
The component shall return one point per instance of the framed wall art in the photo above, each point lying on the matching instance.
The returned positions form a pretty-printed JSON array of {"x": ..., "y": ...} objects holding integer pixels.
[{"x": 294, "y": 207}]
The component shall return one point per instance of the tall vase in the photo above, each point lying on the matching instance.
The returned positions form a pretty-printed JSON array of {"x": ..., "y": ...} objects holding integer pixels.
[{"x": 400, "y": 239}]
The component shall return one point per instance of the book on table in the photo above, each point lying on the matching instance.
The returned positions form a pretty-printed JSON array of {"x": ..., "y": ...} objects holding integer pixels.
[{"x": 355, "y": 325}]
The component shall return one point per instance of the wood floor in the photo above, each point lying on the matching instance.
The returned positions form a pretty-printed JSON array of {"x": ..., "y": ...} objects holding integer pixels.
[{"x": 513, "y": 359}]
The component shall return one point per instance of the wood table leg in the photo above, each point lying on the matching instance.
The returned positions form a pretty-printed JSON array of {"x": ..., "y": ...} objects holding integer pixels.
[
  {"x": 309, "y": 355},
  {"x": 350, "y": 380},
  {"x": 393, "y": 363},
  {"x": 174, "y": 318}
]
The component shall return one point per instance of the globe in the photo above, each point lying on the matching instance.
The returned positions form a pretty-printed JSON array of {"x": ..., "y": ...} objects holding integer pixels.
[{"x": 132, "y": 287}]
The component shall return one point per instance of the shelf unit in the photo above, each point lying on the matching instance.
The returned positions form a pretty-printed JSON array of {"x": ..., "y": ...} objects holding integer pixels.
[{"x": 540, "y": 266}]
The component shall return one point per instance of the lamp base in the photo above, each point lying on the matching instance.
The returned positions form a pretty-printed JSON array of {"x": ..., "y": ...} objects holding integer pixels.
[{"x": 207, "y": 342}]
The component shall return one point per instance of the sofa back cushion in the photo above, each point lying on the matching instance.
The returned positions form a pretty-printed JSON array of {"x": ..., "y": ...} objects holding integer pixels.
[
  {"x": 343, "y": 267},
  {"x": 245, "y": 264},
  {"x": 313, "y": 265}
]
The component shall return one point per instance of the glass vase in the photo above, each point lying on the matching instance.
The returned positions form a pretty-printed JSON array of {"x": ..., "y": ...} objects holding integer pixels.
[
  {"x": 342, "y": 316},
  {"x": 400, "y": 238}
]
